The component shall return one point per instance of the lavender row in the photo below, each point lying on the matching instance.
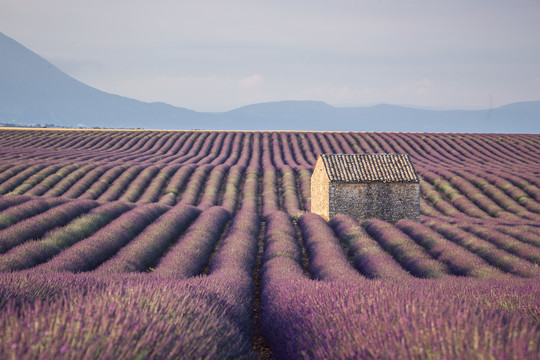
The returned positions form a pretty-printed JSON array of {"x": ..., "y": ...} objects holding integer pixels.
[
  {"x": 75, "y": 187},
  {"x": 12, "y": 200},
  {"x": 250, "y": 191},
  {"x": 155, "y": 186},
  {"x": 119, "y": 185},
  {"x": 206, "y": 147},
  {"x": 65, "y": 316},
  {"x": 233, "y": 267},
  {"x": 17, "y": 177},
  {"x": 436, "y": 200},
  {"x": 176, "y": 183},
  {"x": 135, "y": 189},
  {"x": 327, "y": 260},
  {"x": 36, "y": 252},
  {"x": 144, "y": 250},
  {"x": 213, "y": 186},
  {"x": 510, "y": 189},
  {"x": 280, "y": 154},
  {"x": 459, "y": 260},
  {"x": 8, "y": 171},
  {"x": 65, "y": 181},
  {"x": 38, "y": 187},
  {"x": 511, "y": 202},
  {"x": 195, "y": 185},
  {"x": 522, "y": 233},
  {"x": 21, "y": 211},
  {"x": 232, "y": 188},
  {"x": 496, "y": 205},
  {"x": 458, "y": 200},
  {"x": 36, "y": 226},
  {"x": 291, "y": 199},
  {"x": 280, "y": 191},
  {"x": 94, "y": 250},
  {"x": 408, "y": 319},
  {"x": 35, "y": 179},
  {"x": 282, "y": 256},
  {"x": 238, "y": 250},
  {"x": 297, "y": 150},
  {"x": 94, "y": 188},
  {"x": 191, "y": 253},
  {"x": 270, "y": 190},
  {"x": 367, "y": 255},
  {"x": 487, "y": 251},
  {"x": 302, "y": 318},
  {"x": 409, "y": 254},
  {"x": 506, "y": 242}
]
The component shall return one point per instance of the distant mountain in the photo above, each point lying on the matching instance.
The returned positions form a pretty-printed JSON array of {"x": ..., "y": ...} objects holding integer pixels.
[
  {"x": 521, "y": 117},
  {"x": 32, "y": 90}
]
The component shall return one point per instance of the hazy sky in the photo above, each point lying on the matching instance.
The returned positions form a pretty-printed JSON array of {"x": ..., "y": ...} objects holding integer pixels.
[{"x": 217, "y": 55}]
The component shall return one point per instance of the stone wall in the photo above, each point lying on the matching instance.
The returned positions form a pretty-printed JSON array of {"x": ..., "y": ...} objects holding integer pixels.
[
  {"x": 387, "y": 201},
  {"x": 319, "y": 191}
]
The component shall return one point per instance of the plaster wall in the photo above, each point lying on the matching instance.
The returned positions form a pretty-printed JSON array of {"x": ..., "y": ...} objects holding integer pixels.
[{"x": 320, "y": 191}]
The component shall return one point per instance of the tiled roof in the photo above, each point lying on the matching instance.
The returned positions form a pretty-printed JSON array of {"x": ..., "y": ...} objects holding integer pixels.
[{"x": 362, "y": 168}]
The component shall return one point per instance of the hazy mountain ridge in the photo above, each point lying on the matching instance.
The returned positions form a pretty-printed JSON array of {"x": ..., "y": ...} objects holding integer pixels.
[{"x": 32, "y": 90}]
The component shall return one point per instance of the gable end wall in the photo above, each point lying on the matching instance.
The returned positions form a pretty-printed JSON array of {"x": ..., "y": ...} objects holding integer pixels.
[{"x": 320, "y": 190}]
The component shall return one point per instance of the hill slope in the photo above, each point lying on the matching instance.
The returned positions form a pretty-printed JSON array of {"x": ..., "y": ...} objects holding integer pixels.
[{"x": 33, "y": 90}]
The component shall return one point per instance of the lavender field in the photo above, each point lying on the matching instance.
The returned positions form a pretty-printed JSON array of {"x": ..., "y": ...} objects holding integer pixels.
[{"x": 200, "y": 244}]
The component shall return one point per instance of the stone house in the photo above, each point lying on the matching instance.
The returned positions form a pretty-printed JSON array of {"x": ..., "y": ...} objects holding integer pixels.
[{"x": 383, "y": 186}]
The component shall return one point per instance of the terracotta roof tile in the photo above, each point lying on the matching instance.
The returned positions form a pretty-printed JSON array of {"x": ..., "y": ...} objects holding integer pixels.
[{"x": 362, "y": 168}]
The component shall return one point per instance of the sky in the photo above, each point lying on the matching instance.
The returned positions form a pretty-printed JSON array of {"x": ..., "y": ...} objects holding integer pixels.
[{"x": 215, "y": 55}]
